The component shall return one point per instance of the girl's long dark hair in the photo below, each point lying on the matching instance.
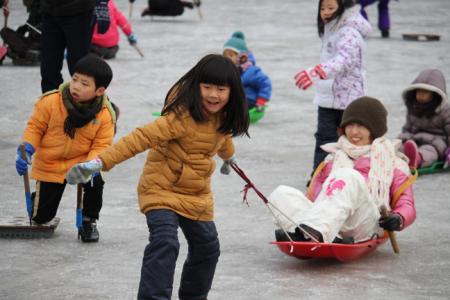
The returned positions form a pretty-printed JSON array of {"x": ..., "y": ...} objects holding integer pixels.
[
  {"x": 211, "y": 69},
  {"x": 420, "y": 110},
  {"x": 342, "y": 6}
]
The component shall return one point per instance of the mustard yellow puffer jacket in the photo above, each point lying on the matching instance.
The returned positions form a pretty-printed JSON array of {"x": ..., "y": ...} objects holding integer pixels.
[
  {"x": 56, "y": 153},
  {"x": 177, "y": 173}
]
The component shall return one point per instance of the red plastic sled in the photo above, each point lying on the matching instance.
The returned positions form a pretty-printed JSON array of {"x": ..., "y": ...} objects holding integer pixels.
[{"x": 341, "y": 252}]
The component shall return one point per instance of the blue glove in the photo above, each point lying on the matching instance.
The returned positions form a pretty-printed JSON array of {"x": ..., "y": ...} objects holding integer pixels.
[
  {"x": 82, "y": 173},
  {"x": 225, "y": 169},
  {"x": 101, "y": 16},
  {"x": 22, "y": 164},
  {"x": 132, "y": 38}
]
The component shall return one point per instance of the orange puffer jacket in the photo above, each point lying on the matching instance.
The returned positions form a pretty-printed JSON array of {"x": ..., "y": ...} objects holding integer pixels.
[
  {"x": 56, "y": 152},
  {"x": 177, "y": 173}
]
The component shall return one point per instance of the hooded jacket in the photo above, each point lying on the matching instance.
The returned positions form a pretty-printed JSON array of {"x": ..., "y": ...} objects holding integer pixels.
[
  {"x": 343, "y": 60},
  {"x": 177, "y": 173},
  {"x": 434, "y": 130}
]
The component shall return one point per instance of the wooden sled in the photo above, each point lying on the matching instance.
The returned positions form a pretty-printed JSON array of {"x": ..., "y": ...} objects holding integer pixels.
[
  {"x": 434, "y": 168},
  {"x": 254, "y": 115},
  {"x": 421, "y": 37},
  {"x": 19, "y": 227},
  {"x": 340, "y": 252}
]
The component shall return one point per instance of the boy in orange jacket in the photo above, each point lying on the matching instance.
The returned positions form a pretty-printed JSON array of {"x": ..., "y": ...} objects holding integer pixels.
[{"x": 68, "y": 126}]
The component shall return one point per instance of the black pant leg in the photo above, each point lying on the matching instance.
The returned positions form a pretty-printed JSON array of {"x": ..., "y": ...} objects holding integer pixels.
[
  {"x": 52, "y": 53},
  {"x": 93, "y": 197},
  {"x": 78, "y": 33},
  {"x": 328, "y": 121},
  {"x": 46, "y": 200}
]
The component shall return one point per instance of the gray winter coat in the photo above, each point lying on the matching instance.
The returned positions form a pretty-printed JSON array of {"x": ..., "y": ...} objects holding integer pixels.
[{"x": 433, "y": 129}]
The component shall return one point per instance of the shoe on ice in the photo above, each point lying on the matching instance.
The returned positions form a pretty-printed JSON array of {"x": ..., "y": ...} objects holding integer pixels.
[
  {"x": 89, "y": 232},
  {"x": 280, "y": 236},
  {"x": 412, "y": 152}
]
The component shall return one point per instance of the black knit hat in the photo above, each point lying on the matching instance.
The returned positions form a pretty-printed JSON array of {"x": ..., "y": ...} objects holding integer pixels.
[{"x": 368, "y": 112}]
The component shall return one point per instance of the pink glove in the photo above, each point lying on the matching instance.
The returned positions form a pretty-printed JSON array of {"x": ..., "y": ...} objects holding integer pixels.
[{"x": 304, "y": 79}]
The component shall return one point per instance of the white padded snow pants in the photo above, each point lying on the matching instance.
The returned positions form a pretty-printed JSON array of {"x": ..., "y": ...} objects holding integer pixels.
[{"x": 344, "y": 207}]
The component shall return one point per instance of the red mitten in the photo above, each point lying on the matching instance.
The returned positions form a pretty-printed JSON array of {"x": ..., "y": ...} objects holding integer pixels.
[
  {"x": 304, "y": 79},
  {"x": 260, "y": 104}
]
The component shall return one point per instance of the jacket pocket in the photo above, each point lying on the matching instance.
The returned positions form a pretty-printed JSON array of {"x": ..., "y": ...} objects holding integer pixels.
[{"x": 189, "y": 181}]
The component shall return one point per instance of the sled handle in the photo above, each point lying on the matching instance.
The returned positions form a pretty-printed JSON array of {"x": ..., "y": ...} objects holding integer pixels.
[
  {"x": 26, "y": 183},
  {"x": 138, "y": 50},
  {"x": 79, "y": 211},
  {"x": 392, "y": 237}
]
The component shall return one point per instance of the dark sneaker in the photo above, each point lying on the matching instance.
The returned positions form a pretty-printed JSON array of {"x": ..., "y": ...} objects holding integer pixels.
[
  {"x": 280, "y": 236},
  {"x": 187, "y": 4},
  {"x": 197, "y": 3},
  {"x": 89, "y": 232},
  {"x": 344, "y": 240},
  {"x": 311, "y": 233},
  {"x": 385, "y": 33},
  {"x": 145, "y": 12}
]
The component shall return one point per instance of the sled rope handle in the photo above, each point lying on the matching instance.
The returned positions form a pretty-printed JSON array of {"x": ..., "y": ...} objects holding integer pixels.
[{"x": 250, "y": 185}]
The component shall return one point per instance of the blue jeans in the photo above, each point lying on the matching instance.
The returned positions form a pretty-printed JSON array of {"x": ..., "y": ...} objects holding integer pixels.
[
  {"x": 161, "y": 254},
  {"x": 328, "y": 122}
]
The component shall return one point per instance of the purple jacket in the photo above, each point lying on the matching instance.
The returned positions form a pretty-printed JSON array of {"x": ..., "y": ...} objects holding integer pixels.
[
  {"x": 405, "y": 204},
  {"x": 343, "y": 58},
  {"x": 428, "y": 130}
]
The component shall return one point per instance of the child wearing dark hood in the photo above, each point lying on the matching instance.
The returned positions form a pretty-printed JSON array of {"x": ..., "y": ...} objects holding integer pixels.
[{"x": 426, "y": 132}]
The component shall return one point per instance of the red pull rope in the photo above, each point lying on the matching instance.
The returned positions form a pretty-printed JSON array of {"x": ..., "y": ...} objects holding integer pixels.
[{"x": 249, "y": 184}]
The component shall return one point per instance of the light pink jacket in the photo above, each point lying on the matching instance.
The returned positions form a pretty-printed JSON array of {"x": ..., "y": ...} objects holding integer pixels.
[
  {"x": 111, "y": 37},
  {"x": 405, "y": 204}
]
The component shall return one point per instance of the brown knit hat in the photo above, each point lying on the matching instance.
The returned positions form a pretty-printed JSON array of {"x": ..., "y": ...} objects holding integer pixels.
[{"x": 368, "y": 112}]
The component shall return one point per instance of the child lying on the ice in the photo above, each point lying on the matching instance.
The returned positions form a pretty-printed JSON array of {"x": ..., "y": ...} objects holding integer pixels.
[{"x": 362, "y": 172}]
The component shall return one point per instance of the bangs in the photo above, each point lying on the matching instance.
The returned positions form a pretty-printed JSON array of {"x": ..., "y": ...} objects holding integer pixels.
[{"x": 218, "y": 72}]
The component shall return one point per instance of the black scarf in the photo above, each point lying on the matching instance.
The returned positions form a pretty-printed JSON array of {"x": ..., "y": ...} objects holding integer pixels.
[{"x": 79, "y": 114}]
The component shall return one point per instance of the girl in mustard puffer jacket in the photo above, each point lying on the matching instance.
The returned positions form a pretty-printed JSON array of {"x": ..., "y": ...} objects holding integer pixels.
[{"x": 202, "y": 111}]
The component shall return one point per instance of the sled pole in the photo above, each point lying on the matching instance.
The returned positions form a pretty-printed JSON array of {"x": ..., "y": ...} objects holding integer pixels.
[
  {"x": 392, "y": 237},
  {"x": 130, "y": 10},
  {"x": 26, "y": 183},
  {"x": 138, "y": 49},
  {"x": 34, "y": 28},
  {"x": 6, "y": 14},
  {"x": 79, "y": 211}
]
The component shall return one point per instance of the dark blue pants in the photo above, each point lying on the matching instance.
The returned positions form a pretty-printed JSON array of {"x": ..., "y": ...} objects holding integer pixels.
[
  {"x": 161, "y": 254},
  {"x": 328, "y": 122},
  {"x": 59, "y": 33},
  {"x": 383, "y": 12}
]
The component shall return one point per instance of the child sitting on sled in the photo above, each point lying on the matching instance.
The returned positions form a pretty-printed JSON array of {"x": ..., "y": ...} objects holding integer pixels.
[
  {"x": 426, "y": 133},
  {"x": 69, "y": 125},
  {"x": 257, "y": 85},
  {"x": 106, "y": 44},
  {"x": 362, "y": 172}
]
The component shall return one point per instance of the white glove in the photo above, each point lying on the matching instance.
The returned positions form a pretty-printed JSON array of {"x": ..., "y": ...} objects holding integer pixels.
[
  {"x": 82, "y": 172},
  {"x": 225, "y": 169}
]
